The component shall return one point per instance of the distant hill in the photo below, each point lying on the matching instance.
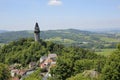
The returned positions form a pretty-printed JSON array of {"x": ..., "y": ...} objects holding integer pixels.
[
  {"x": 69, "y": 37},
  {"x": 47, "y": 35},
  {"x": 2, "y": 31},
  {"x": 14, "y": 35}
]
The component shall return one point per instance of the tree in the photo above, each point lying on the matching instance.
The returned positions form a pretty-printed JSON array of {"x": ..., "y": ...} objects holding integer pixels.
[
  {"x": 34, "y": 76},
  {"x": 78, "y": 77},
  {"x": 63, "y": 70},
  {"x": 72, "y": 61},
  {"x": 4, "y": 72},
  {"x": 81, "y": 65},
  {"x": 111, "y": 70}
]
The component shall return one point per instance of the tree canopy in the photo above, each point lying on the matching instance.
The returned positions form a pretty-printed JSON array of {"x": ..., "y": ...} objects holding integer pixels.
[
  {"x": 4, "y": 72},
  {"x": 24, "y": 51}
]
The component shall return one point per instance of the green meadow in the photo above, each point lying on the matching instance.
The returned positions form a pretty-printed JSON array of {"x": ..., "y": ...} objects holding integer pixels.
[{"x": 105, "y": 52}]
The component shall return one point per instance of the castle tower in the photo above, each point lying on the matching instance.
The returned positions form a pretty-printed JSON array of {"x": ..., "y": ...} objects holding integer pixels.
[{"x": 37, "y": 32}]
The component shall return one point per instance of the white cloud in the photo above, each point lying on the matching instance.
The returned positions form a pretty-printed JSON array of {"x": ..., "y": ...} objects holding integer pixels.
[{"x": 55, "y": 2}]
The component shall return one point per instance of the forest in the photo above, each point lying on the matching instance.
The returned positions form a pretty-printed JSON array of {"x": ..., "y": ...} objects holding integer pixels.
[{"x": 73, "y": 62}]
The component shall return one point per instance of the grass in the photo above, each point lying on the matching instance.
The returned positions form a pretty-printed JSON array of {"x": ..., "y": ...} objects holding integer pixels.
[
  {"x": 59, "y": 39},
  {"x": 1, "y": 44},
  {"x": 109, "y": 39},
  {"x": 105, "y": 52}
]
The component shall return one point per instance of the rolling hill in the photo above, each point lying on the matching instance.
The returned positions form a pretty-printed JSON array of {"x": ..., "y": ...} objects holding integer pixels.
[{"x": 84, "y": 39}]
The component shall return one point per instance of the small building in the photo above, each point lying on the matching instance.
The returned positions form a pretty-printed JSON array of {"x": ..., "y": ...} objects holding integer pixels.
[
  {"x": 14, "y": 66},
  {"x": 22, "y": 72},
  {"x": 46, "y": 62},
  {"x": 15, "y": 78},
  {"x": 14, "y": 72},
  {"x": 43, "y": 58},
  {"x": 32, "y": 64},
  {"x": 52, "y": 56},
  {"x": 43, "y": 65}
]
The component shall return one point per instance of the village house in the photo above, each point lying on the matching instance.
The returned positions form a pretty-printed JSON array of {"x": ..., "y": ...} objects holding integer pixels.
[
  {"x": 46, "y": 62},
  {"x": 52, "y": 59},
  {"x": 52, "y": 56},
  {"x": 22, "y": 72},
  {"x": 16, "y": 72},
  {"x": 14, "y": 66},
  {"x": 32, "y": 65},
  {"x": 43, "y": 58},
  {"x": 15, "y": 78}
]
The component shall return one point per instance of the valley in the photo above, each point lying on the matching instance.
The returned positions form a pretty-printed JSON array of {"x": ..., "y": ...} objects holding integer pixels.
[
  {"x": 79, "y": 53},
  {"x": 69, "y": 37}
]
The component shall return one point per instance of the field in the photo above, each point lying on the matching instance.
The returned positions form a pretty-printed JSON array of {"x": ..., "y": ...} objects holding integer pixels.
[
  {"x": 1, "y": 44},
  {"x": 105, "y": 52},
  {"x": 106, "y": 39}
]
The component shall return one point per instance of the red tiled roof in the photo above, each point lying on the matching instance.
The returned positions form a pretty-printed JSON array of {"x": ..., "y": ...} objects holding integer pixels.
[
  {"x": 15, "y": 78},
  {"x": 22, "y": 72},
  {"x": 52, "y": 55}
]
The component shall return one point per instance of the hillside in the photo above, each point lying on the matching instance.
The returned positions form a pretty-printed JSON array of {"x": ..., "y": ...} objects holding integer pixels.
[
  {"x": 25, "y": 50},
  {"x": 14, "y": 35},
  {"x": 72, "y": 63},
  {"x": 84, "y": 39}
]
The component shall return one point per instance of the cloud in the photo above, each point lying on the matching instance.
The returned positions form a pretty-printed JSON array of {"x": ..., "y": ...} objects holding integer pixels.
[{"x": 55, "y": 2}]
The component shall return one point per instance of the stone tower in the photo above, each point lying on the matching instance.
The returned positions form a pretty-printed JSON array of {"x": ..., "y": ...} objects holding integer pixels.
[{"x": 37, "y": 32}]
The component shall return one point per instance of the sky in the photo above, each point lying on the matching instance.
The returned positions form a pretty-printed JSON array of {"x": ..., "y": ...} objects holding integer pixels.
[{"x": 16, "y": 15}]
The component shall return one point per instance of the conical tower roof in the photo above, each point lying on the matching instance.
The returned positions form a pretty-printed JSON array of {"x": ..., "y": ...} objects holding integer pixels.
[{"x": 37, "y": 30}]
